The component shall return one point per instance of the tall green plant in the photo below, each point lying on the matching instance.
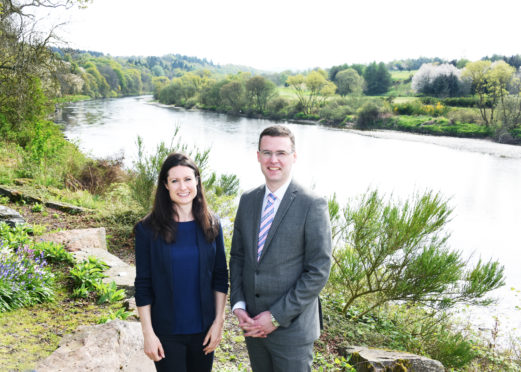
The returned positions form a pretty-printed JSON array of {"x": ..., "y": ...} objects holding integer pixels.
[{"x": 398, "y": 252}]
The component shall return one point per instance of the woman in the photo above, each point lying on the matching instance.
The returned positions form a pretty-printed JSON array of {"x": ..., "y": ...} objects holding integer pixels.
[{"x": 181, "y": 275}]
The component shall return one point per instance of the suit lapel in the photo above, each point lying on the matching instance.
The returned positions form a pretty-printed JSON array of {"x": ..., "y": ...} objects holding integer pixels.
[{"x": 286, "y": 202}]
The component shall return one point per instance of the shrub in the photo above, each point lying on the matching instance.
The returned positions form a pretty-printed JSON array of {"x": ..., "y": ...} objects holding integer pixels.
[
  {"x": 463, "y": 102},
  {"x": 98, "y": 175},
  {"x": 53, "y": 252},
  {"x": 335, "y": 111},
  {"x": 368, "y": 115},
  {"x": 439, "y": 80},
  {"x": 400, "y": 252},
  {"x": 465, "y": 115},
  {"x": 24, "y": 278},
  {"x": 416, "y": 108}
]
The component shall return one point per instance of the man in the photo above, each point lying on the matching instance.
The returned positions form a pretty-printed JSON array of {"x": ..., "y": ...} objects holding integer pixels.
[{"x": 280, "y": 261}]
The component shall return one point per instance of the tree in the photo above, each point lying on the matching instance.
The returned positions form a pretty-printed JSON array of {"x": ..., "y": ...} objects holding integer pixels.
[
  {"x": 232, "y": 94},
  {"x": 25, "y": 59},
  {"x": 259, "y": 90},
  {"x": 398, "y": 252},
  {"x": 438, "y": 80},
  {"x": 377, "y": 79},
  {"x": 349, "y": 82},
  {"x": 311, "y": 90},
  {"x": 489, "y": 82}
]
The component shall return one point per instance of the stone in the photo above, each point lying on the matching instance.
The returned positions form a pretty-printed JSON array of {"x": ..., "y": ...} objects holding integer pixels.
[
  {"x": 378, "y": 360},
  {"x": 113, "y": 346},
  {"x": 16, "y": 195},
  {"x": 78, "y": 239},
  {"x": 92, "y": 242},
  {"x": 10, "y": 216}
]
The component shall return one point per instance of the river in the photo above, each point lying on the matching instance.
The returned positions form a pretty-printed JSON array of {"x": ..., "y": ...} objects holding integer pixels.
[{"x": 481, "y": 179}]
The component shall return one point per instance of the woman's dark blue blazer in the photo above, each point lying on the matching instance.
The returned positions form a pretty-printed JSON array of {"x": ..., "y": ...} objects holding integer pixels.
[{"x": 154, "y": 278}]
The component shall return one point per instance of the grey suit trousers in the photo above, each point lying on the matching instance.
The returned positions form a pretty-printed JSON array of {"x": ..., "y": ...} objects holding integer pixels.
[{"x": 265, "y": 356}]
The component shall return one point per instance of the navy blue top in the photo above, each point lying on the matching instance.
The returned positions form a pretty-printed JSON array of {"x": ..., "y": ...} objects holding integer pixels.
[
  {"x": 185, "y": 267},
  {"x": 155, "y": 277}
]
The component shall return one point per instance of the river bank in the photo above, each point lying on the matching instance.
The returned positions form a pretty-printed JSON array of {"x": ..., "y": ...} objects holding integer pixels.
[{"x": 478, "y": 145}]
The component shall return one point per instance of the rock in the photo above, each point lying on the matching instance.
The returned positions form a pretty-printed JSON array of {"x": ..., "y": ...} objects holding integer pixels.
[
  {"x": 76, "y": 240},
  {"x": 377, "y": 360},
  {"x": 92, "y": 242},
  {"x": 114, "y": 346},
  {"x": 67, "y": 208},
  {"x": 10, "y": 216},
  {"x": 16, "y": 195}
]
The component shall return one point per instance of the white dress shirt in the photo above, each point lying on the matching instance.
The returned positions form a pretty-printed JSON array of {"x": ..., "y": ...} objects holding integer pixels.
[{"x": 279, "y": 193}]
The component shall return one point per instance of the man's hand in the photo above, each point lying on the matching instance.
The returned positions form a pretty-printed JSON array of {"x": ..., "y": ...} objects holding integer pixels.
[
  {"x": 264, "y": 323},
  {"x": 248, "y": 325}
]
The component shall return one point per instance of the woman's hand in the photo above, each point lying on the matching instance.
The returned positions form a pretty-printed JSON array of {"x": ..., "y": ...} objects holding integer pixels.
[
  {"x": 214, "y": 336},
  {"x": 153, "y": 347}
]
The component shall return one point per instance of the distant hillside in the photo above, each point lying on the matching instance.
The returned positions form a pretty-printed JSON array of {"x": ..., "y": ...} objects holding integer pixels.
[{"x": 170, "y": 65}]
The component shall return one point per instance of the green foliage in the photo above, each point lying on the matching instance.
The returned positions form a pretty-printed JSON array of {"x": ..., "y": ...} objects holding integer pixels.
[
  {"x": 436, "y": 126},
  {"x": 453, "y": 350},
  {"x": 490, "y": 82},
  {"x": 109, "y": 293},
  {"x": 349, "y": 82},
  {"x": 416, "y": 108},
  {"x": 465, "y": 115},
  {"x": 259, "y": 91},
  {"x": 120, "y": 313},
  {"x": 311, "y": 90},
  {"x": 25, "y": 278},
  {"x": 227, "y": 184},
  {"x": 37, "y": 208},
  {"x": 398, "y": 252},
  {"x": 54, "y": 253},
  {"x": 233, "y": 95},
  {"x": 88, "y": 274},
  {"x": 335, "y": 111},
  {"x": 377, "y": 78},
  {"x": 368, "y": 115}
]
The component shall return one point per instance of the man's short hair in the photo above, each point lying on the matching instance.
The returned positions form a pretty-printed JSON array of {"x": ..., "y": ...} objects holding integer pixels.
[{"x": 278, "y": 131}]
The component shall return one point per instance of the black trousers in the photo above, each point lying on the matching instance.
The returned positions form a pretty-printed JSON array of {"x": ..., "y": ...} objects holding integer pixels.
[{"x": 184, "y": 353}]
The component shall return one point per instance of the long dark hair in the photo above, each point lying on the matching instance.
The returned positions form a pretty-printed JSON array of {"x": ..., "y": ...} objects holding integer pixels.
[{"x": 163, "y": 217}]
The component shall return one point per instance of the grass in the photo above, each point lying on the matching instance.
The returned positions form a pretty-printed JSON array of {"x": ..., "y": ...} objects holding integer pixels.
[
  {"x": 286, "y": 92},
  {"x": 402, "y": 75},
  {"x": 33, "y": 333},
  {"x": 437, "y": 126}
]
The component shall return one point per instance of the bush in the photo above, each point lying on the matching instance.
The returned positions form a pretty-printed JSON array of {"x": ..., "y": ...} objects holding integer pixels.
[
  {"x": 462, "y": 102},
  {"x": 335, "y": 111},
  {"x": 368, "y": 116},
  {"x": 25, "y": 278},
  {"x": 303, "y": 116},
  {"x": 400, "y": 252},
  {"x": 465, "y": 115},
  {"x": 98, "y": 175},
  {"x": 437, "y": 126},
  {"x": 416, "y": 108}
]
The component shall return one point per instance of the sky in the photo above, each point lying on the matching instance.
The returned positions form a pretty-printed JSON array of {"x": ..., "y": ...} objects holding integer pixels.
[{"x": 274, "y": 35}]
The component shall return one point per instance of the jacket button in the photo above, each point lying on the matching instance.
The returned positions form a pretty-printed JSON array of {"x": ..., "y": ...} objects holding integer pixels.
[{"x": 257, "y": 295}]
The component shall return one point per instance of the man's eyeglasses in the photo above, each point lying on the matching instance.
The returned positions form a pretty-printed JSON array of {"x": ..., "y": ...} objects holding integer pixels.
[{"x": 278, "y": 154}]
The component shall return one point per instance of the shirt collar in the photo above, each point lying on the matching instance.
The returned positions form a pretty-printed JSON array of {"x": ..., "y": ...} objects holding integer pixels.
[{"x": 280, "y": 191}]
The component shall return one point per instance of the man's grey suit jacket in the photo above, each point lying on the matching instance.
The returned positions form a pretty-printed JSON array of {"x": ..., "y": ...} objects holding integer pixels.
[{"x": 294, "y": 265}]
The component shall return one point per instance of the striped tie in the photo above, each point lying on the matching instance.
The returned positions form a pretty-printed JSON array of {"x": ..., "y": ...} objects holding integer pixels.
[{"x": 265, "y": 224}]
